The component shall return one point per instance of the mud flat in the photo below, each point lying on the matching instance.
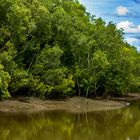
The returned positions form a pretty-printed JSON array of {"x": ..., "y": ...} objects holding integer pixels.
[{"x": 76, "y": 104}]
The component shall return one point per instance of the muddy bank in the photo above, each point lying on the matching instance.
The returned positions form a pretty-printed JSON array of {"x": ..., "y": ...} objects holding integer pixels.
[
  {"x": 131, "y": 98},
  {"x": 74, "y": 105}
]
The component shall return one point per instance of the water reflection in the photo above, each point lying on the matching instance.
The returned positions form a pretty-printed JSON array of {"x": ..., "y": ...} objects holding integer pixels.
[{"x": 123, "y": 124}]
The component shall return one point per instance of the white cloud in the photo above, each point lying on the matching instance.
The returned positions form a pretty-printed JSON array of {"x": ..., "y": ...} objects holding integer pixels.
[
  {"x": 121, "y": 10},
  {"x": 131, "y": 40},
  {"x": 128, "y": 27},
  {"x": 124, "y": 24}
]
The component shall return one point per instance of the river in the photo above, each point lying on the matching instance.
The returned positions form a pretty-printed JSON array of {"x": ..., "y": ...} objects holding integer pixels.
[{"x": 121, "y": 124}]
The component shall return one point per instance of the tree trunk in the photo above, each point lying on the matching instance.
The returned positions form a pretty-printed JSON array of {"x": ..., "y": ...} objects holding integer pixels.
[
  {"x": 95, "y": 88},
  {"x": 79, "y": 92},
  {"x": 87, "y": 91}
]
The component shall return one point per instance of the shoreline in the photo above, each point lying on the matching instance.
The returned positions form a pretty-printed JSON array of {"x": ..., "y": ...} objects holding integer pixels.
[{"x": 73, "y": 105}]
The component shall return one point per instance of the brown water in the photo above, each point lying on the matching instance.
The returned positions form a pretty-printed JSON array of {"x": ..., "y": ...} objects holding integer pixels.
[{"x": 123, "y": 124}]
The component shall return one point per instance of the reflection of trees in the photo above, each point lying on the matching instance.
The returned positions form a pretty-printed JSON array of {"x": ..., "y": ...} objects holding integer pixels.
[{"x": 122, "y": 124}]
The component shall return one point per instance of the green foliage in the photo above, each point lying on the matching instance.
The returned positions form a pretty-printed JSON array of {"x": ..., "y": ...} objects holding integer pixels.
[
  {"x": 56, "y": 48},
  {"x": 53, "y": 77},
  {"x": 4, "y": 81}
]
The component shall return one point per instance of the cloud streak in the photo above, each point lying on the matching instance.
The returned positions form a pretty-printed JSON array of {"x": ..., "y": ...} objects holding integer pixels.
[
  {"x": 131, "y": 40},
  {"x": 128, "y": 27},
  {"x": 137, "y": 37},
  {"x": 128, "y": 15},
  {"x": 136, "y": 1}
]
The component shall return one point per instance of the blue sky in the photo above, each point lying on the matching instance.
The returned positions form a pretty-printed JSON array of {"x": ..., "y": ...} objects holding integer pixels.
[{"x": 124, "y": 13}]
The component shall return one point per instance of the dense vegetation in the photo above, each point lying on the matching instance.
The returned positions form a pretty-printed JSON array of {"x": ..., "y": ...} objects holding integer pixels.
[{"x": 55, "y": 48}]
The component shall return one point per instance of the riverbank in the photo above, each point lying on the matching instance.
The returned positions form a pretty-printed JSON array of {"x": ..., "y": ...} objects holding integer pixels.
[{"x": 75, "y": 104}]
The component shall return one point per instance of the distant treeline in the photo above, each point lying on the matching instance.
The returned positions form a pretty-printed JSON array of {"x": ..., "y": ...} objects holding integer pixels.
[{"x": 52, "y": 48}]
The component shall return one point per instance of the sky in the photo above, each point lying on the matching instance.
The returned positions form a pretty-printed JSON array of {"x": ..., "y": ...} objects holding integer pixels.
[{"x": 124, "y": 13}]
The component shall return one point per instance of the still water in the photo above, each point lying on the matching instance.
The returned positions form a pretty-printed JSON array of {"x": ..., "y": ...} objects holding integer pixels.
[{"x": 123, "y": 124}]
